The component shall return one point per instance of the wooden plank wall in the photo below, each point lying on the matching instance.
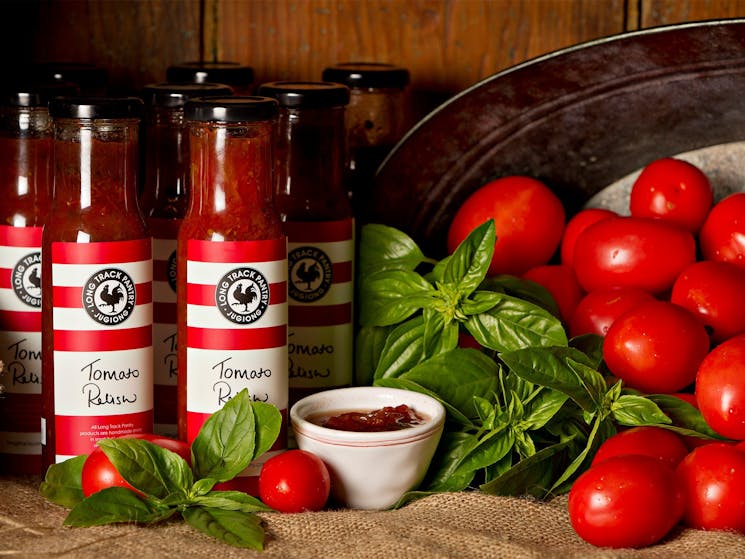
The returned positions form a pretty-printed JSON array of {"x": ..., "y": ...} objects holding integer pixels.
[{"x": 447, "y": 45}]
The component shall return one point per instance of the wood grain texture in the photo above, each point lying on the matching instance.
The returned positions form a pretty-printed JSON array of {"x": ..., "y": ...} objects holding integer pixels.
[{"x": 664, "y": 12}]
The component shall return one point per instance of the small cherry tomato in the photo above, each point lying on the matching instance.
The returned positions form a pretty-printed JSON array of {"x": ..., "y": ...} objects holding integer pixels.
[
  {"x": 656, "y": 347},
  {"x": 720, "y": 388},
  {"x": 578, "y": 223},
  {"x": 99, "y": 473},
  {"x": 528, "y": 217},
  {"x": 673, "y": 190},
  {"x": 561, "y": 283},
  {"x": 632, "y": 252},
  {"x": 598, "y": 309},
  {"x": 625, "y": 501},
  {"x": 712, "y": 478},
  {"x": 714, "y": 292},
  {"x": 646, "y": 440},
  {"x": 722, "y": 237},
  {"x": 294, "y": 481}
]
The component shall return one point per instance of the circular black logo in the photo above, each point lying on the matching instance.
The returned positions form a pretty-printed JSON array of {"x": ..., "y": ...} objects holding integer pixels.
[
  {"x": 26, "y": 279},
  {"x": 242, "y": 295},
  {"x": 172, "y": 271},
  {"x": 109, "y": 296},
  {"x": 311, "y": 274}
]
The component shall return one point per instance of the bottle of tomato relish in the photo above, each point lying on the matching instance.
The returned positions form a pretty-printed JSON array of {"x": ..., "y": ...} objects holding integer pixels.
[
  {"x": 231, "y": 269},
  {"x": 311, "y": 196},
  {"x": 164, "y": 199},
  {"x": 97, "y": 267}
]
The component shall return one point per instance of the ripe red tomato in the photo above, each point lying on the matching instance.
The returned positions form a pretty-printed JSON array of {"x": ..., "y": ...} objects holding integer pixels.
[
  {"x": 598, "y": 309},
  {"x": 656, "y": 347},
  {"x": 712, "y": 478},
  {"x": 647, "y": 440},
  {"x": 294, "y": 481},
  {"x": 578, "y": 223},
  {"x": 625, "y": 501},
  {"x": 99, "y": 473},
  {"x": 561, "y": 283},
  {"x": 713, "y": 291},
  {"x": 720, "y": 388},
  {"x": 673, "y": 190},
  {"x": 529, "y": 221},
  {"x": 722, "y": 237},
  {"x": 632, "y": 252}
]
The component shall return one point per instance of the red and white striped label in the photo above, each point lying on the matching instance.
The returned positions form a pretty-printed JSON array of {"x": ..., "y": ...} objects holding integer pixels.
[
  {"x": 20, "y": 341},
  {"x": 321, "y": 287},
  {"x": 102, "y": 338},
  {"x": 236, "y": 318}
]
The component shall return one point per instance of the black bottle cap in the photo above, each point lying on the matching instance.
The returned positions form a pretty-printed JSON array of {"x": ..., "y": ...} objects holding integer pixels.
[
  {"x": 230, "y": 73},
  {"x": 34, "y": 95},
  {"x": 95, "y": 107},
  {"x": 305, "y": 95},
  {"x": 367, "y": 74},
  {"x": 176, "y": 94},
  {"x": 231, "y": 109}
]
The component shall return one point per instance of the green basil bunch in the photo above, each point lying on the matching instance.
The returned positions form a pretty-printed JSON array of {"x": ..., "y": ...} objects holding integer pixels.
[{"x": 525, "y": 413}]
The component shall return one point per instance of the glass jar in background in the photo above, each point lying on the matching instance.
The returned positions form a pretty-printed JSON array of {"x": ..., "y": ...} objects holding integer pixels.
[
  {"x": 163, "y": 201},
  {"x": 231, "y": 270},
  {"x": 312, "y": 200},
  {"x": 97, "y": 358},
  {"x": 238, "y": 76},
  {"x": 377, "y": 117},
  {"x": 89, "y": 79}
]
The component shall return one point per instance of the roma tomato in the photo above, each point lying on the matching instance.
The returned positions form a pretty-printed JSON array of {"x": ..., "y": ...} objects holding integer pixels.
[
  {"x": 722, "y": 237},
  {"x": 598, "y": 309},
  {"x": 632, "y": 252},
  {"x": 712, "y": 478},
  {"x": 714, "y": 292},
  {"x": 647, "y": 440},
  {"x": 529, "y": 221},
  {"x": 561, "y": 283},
  {"x": 720, "y": 388},
  {"x": 294, "y": 481},
  {"x": 656, "y": 347},
  {"x": 99, "y": 473},
  {"x": 578, "y": 223},
  {"x": 673, "y": 190},
  {"x": 625, "y": 501}
]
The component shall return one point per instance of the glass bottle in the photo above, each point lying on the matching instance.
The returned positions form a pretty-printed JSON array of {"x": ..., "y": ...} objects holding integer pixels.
[
  {"x": 88, "y": 79},
  {"x": 163, "y": 201},
  {"x": 238, "y": 76},
  {"x": 97, "y": 267},
  {"x": 231, "y": 269},
  {"x": 26, "y": 188},
  {"x": 376, "y": 119},
  {"x": 311, "y": 197}
]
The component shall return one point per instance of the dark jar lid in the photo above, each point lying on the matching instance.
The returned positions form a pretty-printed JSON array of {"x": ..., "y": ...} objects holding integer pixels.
[
  {"x": 96, "y": 107},
  {"x": 306, "y": 95},
  {"x": 34, "y": 95},
  {"x": 367, "y": 74},
  {"x": 231, "y": 109},
  {"x": 230, "y": 73},
  {"x": 175, "y": 95}
]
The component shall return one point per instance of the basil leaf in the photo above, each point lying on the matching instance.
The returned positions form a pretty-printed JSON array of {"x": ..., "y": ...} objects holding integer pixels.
[
  {"x": 369, "y": 345},
  {"x": 513, "y": 324},
  {"x": 633, "y": 410},
  {"x": 225, "y": 444},
  {"x": 480, "y": 301},
  {"x": 202, "y": 487},
  {"x": 543, "y": 408},
  {"x": 231, "y": 500},
  {"x": 592, "y": 346},
  {"x": 403, "y": 348},
  {"x": 522, "y": 289},
  {"x": 453, "y": 447},
  {"x": 62, "y": 485},
  {"x": 115, "y": 504},
  {"x": 469, "y": 263},
  {"x": 453, "y": 413},
  {"x": 150, "y": 468},
  {"x": 684, "y": 416},
  {"x": 268, "y": 424},
  {"x": 601, "y": 430},
  {"x": 239, "y": 529},
  {"x": 439, "y": 336},
  {"x": 490, "y": 449},
  {"x": 385, "y": 248},
  {"x": 390, "y": 296}
]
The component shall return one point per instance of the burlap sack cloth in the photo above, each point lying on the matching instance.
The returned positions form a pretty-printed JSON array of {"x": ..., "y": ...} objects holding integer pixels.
[{"x": 454, "y": 525}]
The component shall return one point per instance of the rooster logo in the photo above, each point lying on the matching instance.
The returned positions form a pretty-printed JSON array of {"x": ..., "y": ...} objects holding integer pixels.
[
  {"x": 246, "y": 297},
  {"x": 109, "y": 296},
  {"x": 242, "y": 295},
  {"x": 26, "y": 279},
  {"x": 311, "y": 273}
]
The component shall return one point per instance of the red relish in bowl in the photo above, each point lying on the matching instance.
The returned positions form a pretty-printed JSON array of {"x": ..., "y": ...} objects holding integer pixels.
[{"x": 388, "y": 418}]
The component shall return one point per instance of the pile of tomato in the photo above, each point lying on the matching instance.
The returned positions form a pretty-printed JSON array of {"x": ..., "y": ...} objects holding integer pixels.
[{"x": 664, "y": 284}]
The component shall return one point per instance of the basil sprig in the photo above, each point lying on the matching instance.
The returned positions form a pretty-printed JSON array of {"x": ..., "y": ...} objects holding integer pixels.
[
  {"x": 526, "y": 413},
  {"x": 229, "y": 440}
]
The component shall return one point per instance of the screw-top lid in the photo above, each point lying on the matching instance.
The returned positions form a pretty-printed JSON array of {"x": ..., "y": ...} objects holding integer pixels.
[
  {"x": 85, "y": 75},
  {"x": 231, "y": 109},
  {"x": 367, "y": 74},
  {"x": 305, "y": 95},
  {"x": 176, "y": 94},
  {"x": 34, "y": 95},
  {"x": 230, "y": 73},
  {"x": 95, "y": 107}
]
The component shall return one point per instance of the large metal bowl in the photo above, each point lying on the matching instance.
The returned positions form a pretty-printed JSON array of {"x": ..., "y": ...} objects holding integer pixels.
[{"x": 579, "y": 119}]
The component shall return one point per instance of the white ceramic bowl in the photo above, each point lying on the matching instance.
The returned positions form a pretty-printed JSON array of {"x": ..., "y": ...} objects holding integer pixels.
[{"x": 370, "y": 470}]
